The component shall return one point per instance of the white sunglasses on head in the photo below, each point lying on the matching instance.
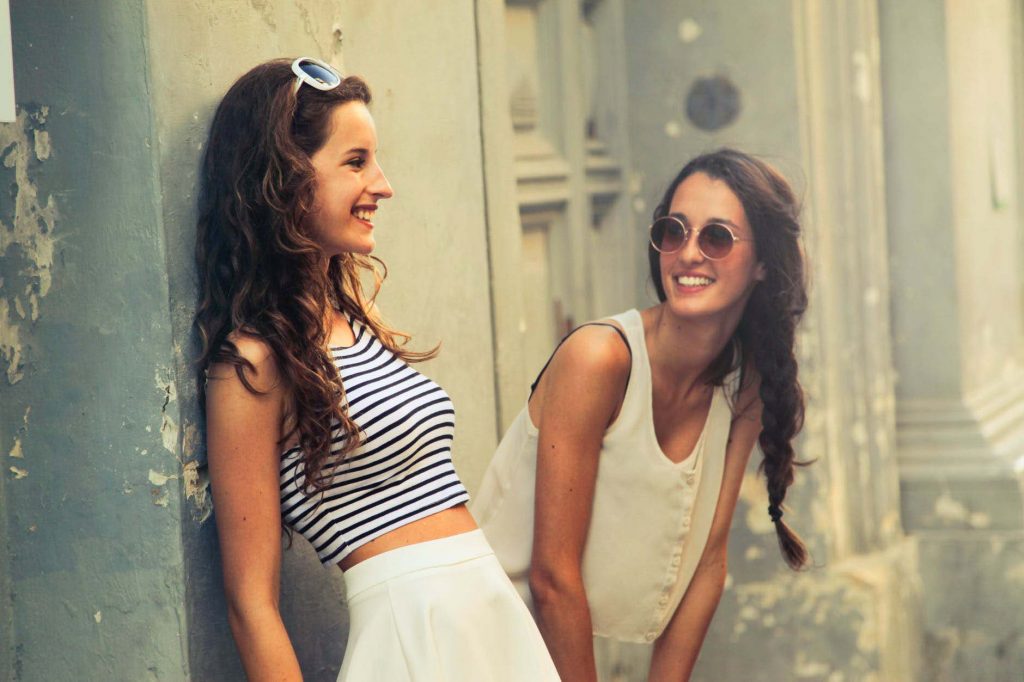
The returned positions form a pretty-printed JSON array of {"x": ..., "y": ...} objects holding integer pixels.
[{"x": 315, "y": 73}]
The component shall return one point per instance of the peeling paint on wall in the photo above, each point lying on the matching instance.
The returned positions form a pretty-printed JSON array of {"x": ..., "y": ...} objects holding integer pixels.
[
  {"x": 191, "y": 439},
  {"x": 16, "y": 450},
  {"x": 168, "y": 426},
  {"x": 807, "y": 668},
  {"x": 861, "y": 76},
  {"x": 197, "y": 488},
  {"x": 755, "y": 494},
  {"x": 23, "y": 145},
  {"x": 159, "y": 479},
  {"x": 265, "y": 11},
  {"x": 161, "y": 498},
  {"x": 42, "y": 144},
  {"x": 689, "y": 30},
  {"x": 948, "y": 509},
  {"x": 332, "y": 51}
]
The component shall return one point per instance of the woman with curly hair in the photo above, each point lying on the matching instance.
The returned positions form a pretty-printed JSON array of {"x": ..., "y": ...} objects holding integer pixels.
[
  {"x": 315, "y": 420},
  {"x": 610, "y": 498}
]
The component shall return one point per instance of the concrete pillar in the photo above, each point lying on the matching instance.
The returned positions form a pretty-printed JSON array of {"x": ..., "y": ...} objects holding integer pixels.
[
  {"x": 953, "y": 187},
  {"x": 93, "y": 555}
]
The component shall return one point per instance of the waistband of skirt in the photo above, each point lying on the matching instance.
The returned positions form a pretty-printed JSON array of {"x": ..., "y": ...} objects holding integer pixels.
[{"x": 394, "y": 563}]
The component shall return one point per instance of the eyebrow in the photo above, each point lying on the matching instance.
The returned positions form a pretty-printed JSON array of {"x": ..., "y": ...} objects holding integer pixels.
[
  {"x": 358, "y": 150},
  {"x": 724, "y": 221}
]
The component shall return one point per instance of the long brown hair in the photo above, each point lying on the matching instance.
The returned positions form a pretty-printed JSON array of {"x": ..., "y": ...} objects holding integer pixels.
[
  {"x": 260, "y": 272},
  {"x": 765, "y": 335}
]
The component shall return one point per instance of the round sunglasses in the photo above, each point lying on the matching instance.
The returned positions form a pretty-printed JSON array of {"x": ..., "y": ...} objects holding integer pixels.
[{"x": 714, "y": 240}]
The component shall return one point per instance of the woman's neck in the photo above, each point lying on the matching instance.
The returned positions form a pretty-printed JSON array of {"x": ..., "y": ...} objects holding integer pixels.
[{"x": 684, "y": 349}]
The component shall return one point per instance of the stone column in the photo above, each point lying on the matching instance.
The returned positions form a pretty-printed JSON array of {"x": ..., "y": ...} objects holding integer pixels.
[
  {"x": 92, "y": 561},
  {"x": 952, "y": 169}
]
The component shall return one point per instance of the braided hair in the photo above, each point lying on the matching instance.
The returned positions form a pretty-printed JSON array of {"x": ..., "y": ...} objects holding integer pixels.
[{"x": 765, "y": 336}]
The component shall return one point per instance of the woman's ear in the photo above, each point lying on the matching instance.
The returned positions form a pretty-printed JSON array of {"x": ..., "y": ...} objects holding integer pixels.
[{"x": 760, "y": 273}]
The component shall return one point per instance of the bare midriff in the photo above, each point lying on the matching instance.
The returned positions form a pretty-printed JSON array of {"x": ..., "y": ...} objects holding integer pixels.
[{"x": 434, "y": 527}]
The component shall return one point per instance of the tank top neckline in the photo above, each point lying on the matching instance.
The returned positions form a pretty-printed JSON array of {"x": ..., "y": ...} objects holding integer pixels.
[
  {"x": 692, "y": 459},
  {"x": 641, "y": 372},
  {"x": 357, "y": 335}
]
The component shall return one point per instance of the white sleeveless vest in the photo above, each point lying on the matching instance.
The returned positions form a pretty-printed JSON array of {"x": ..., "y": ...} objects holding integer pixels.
[{"x": 651, "y": 517}]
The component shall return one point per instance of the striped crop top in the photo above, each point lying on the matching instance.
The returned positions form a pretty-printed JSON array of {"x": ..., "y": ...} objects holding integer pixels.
[{"x": 401, "y": 472}]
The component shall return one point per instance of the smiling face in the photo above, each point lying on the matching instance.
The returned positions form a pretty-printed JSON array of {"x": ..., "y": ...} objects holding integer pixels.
[
  {"x": 349, "y": 183},
  {"x": 694, "y": 285}
]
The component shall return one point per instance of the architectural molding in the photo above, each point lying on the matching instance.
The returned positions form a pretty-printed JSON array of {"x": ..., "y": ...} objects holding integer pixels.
[
  {"x": 542, "y": 174},
  {"x": 977, "y": 436},
  {"x": 604, "y": 177}
]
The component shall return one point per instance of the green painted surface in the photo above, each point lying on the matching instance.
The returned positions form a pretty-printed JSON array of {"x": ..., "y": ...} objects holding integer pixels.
[{"x": 95, "y": 557}]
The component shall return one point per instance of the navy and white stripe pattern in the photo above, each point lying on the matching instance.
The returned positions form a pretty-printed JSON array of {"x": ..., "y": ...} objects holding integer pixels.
[{"x": 401, "y": 472}]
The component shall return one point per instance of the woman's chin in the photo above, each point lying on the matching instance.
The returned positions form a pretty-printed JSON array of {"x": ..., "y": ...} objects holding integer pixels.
[{"x": 356, "y": 249}]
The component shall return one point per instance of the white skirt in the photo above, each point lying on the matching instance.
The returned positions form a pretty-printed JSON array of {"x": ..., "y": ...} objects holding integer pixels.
[{"x": 440, "y": 611}]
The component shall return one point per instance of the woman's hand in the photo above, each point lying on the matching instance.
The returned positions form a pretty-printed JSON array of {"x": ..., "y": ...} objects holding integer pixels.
[
  {"x": 243, "y": 431},
  {"x": 575, "y": 402}
]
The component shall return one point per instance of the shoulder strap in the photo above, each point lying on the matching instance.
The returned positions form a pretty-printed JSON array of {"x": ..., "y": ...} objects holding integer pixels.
[{"x": 533, "y": 386}]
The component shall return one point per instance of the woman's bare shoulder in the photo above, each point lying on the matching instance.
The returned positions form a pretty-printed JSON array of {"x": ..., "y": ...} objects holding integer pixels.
[
  {"x": 262, "y": 370},
  {"x": 596, "y": 347}
]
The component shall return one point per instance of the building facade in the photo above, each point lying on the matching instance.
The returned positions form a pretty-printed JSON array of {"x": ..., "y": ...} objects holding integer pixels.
[{"x": 528, "y": 142}]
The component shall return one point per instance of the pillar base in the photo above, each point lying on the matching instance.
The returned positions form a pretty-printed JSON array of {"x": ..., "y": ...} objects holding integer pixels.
[{"x": 962, "y": 460}]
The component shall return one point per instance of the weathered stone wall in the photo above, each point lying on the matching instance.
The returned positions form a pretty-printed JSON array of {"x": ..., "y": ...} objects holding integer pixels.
[
  {"x": 93, "y": 558},
  {"x": 952, "y": 166}
]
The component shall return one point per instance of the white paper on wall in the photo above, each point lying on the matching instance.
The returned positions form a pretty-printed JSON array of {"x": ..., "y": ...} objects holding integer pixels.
[{"x": 6, "y": 64}]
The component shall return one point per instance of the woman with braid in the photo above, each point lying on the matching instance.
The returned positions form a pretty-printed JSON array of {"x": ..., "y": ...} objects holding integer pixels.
[{"x": 610, "y": 498}]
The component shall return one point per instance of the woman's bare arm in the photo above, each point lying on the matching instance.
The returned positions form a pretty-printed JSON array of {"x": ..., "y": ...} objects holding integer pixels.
[
  {"x": 675, "y": 652},
  {"x": 243, "y": 432},
  {"x": 579, "y": 395}
]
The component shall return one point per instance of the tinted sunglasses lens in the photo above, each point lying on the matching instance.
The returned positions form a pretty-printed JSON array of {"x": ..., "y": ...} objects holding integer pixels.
[
  {"x": 667, "y": 234},
  {"x": 318, "y": 73},
  {"x": 715, "y": 241}
]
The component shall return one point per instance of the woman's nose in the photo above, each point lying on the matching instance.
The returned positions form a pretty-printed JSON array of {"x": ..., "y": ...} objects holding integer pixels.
[
  {"x": 690, "y": 251},
  {"x": 380, "y": 187}
]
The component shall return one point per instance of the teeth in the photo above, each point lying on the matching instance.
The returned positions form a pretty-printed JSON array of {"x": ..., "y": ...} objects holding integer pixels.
[
  {"x": 363, "y": 214},
  {"x": 688, "y": 281}
]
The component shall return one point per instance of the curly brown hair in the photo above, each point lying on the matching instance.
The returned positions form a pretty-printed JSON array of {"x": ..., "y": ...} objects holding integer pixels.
[
  {"x": 260, "y": 271},
  {"x": 765, "y": 336}
]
